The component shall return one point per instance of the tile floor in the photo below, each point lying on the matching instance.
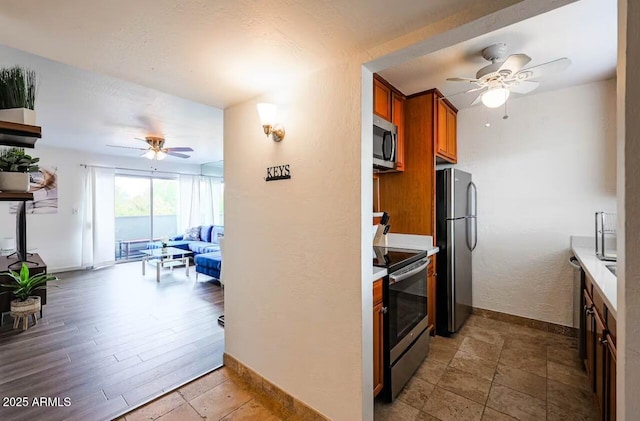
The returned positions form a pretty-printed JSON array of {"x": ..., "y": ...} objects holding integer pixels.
[
  {"x": 220, "y": 395},
  {"x": 493, "y": 370}
]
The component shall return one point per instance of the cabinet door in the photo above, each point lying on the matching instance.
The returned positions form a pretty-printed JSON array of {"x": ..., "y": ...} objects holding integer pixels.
[
  {"x": 431, "y": 296},
  {"x": 441, "y": 128},
  {"x": 397, "y": 111},
  {"x": 589, "y": 337},
  {"x": 600, "y": 363},
  {"x": 378, "y": 359},
  {"x": 381, "y": 100},
  {"x": 452, "y": 135},
  {"x": 610, "y": 398}
]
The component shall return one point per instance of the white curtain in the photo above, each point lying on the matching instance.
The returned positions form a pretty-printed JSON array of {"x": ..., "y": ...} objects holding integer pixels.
[
  {"x": 211, "y": 201},
  {"x": 98, "y": 218},
  {"x": 189, "y": 209}
]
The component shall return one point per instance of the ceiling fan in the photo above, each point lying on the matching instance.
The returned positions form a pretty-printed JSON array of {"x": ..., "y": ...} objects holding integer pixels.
[
  {"x": 156, "y": 149},
  {"x": 504, "y": 76}
]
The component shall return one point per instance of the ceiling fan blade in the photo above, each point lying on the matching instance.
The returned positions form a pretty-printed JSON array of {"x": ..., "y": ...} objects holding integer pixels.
[
  {"x": 180, "y": 149},
  {"x": 127, "y": 147},
  {"x": 462, "y": 79},
  {"x": 524, "y": 86},
  {"x": 179, "y": 155},
  {"x": 141, "y": 139},
  {"x": 477, "y": 100},
  {"x": 542, "y": 70},
  {"x": 514, "y": 63},
  {"x": 464, "y": 92}
]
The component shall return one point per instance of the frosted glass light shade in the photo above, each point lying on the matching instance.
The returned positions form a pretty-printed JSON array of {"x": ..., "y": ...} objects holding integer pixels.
[
  {"x": 267, "y": 113},
  {"x": 495, "y": 97},
  {"x": 160, "y": 155},
  {"x": 149, "y": 154}
]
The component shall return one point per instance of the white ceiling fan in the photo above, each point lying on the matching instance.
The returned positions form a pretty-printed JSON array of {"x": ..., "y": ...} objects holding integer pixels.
[
  {"x": 504, "y": 76},
  {"x": 156, "y": 149}
]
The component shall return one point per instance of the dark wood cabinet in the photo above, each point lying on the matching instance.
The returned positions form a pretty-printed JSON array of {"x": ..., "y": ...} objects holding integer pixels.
[
  {"x": 598, "y": 342},
  {"x": 378, "y": 323}
]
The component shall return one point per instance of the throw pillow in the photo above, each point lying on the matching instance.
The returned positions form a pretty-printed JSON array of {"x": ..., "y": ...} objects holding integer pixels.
[{"x": 192, "y": 234}]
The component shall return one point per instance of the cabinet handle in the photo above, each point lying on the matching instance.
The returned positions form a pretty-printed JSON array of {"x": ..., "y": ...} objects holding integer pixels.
[
  {"x": 383, "y": 310},
  {"x": 603, "y": 341}
]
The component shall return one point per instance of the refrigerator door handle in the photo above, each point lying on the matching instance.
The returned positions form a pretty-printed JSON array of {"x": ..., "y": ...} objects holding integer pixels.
[
  {"x": 472, "y": 199},
  {"x": 472, "y": 205}
]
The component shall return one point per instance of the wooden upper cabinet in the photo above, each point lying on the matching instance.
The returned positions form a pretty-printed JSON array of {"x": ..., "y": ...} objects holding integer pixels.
[
  {"x": 397, "y": 114},
  {"x": 446, "y": 132},
  {"x": 381, "y": 99}
]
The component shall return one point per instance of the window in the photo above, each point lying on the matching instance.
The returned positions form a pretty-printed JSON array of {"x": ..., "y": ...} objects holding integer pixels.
[{"x": 146, "y": 209}]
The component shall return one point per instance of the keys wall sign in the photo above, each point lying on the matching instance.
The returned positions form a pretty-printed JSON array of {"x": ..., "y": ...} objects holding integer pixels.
[{"x": 279, "y": 172}]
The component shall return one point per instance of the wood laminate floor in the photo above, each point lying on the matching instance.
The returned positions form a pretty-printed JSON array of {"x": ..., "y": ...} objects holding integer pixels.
[{"x": 110, "y": 340}]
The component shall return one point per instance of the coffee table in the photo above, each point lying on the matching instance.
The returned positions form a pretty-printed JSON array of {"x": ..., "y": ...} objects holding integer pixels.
[{"x": 168, "y": 257}]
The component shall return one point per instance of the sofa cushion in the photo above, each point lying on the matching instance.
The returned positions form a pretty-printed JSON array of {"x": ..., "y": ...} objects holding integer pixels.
[
  {"x": 216, "y": 229},
  {"x": 205, "y": 233},
  {"x": 192, "y": 234},
  {"x": 210, "y": 260},
  {"x": 203, "y": 247}
]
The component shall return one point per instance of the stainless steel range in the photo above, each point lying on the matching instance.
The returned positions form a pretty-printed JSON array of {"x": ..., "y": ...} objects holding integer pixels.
[{"x": 406, "y": 341}]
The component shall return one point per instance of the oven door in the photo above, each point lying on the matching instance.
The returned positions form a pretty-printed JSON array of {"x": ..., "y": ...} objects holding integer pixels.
[{"x": 407, "y": 306}]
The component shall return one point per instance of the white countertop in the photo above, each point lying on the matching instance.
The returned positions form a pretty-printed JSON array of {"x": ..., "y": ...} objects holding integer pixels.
[
  {"x": 378, "y": 273},
  {"x": 605, "y": 281}
]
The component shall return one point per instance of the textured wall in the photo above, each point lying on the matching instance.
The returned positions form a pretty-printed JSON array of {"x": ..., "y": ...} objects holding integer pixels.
[{"x": 541, "y": 175}]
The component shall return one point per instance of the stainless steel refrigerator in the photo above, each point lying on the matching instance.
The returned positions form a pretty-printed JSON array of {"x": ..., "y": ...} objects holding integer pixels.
[{"x": 457, "y": 237}]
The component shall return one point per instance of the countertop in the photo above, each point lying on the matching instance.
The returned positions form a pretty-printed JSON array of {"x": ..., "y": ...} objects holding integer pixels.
[{"x": 605, "y": 281}]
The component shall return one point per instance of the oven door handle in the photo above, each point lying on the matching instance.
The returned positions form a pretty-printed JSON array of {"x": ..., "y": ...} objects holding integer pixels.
[{"x": 397, "y": 278}]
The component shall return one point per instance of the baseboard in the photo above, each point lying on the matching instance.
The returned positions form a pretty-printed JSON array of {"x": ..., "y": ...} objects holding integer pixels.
[
  {"x": 524, "y": 321},
  {"x": 287, "y": 402}
]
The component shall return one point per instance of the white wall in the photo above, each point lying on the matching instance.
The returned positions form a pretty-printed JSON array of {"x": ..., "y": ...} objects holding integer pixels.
[
  {"x": 541, "y": 175},
  {"x": 298, "y": 289},
  {"x": 57, "y": 237}
]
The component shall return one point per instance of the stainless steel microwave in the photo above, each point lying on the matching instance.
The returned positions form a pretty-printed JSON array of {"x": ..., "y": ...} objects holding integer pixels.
[{"x": 385, "y": 144}]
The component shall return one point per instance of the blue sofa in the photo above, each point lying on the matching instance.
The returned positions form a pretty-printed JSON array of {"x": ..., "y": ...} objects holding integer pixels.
[
  {"x": 206, "y": 251},
  {"x": 208, "y": 241}
]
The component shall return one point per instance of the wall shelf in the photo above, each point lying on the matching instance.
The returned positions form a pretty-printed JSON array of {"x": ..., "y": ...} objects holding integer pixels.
[
  {"x": 15, "y": 197},
  {"x": 19, "y": 135}
]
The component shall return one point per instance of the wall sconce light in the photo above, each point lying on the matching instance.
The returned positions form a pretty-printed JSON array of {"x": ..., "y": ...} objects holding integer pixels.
[{"x": 267, "y": 113}]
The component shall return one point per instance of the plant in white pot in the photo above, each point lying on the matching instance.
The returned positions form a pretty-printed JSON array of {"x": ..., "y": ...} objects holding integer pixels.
[
  {"x": 15, "y": 166},
  {"x": 18, "y": 95},
  {"x": 23, "y": 287}
]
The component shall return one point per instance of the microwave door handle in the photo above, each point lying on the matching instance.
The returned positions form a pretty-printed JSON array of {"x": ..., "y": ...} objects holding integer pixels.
[
  {"x": 385, "y": 137},
  {"x": 394, "y": 144}
]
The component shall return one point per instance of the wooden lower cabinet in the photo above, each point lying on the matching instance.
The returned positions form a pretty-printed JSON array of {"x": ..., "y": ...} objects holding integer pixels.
[
  {"x": 600, "y": 352},
  {"x": 431, "y": 295},
  {"x": 378, "y": 334},
  {"x": 610, "y": 369}
]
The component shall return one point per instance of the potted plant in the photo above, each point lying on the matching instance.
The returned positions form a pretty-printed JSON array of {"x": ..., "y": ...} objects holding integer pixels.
[
  {"x": 15, "y": 166},
  {"x": 18, "y": 95},
  {"x": 23, "y": 287}
]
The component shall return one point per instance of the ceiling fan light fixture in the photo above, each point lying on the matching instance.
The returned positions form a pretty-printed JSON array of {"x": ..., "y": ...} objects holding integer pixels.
[
  {"x": 495, "y": 97},
  {"x": 160, "y": 155},
  {"x": 150, "y": 154}
]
